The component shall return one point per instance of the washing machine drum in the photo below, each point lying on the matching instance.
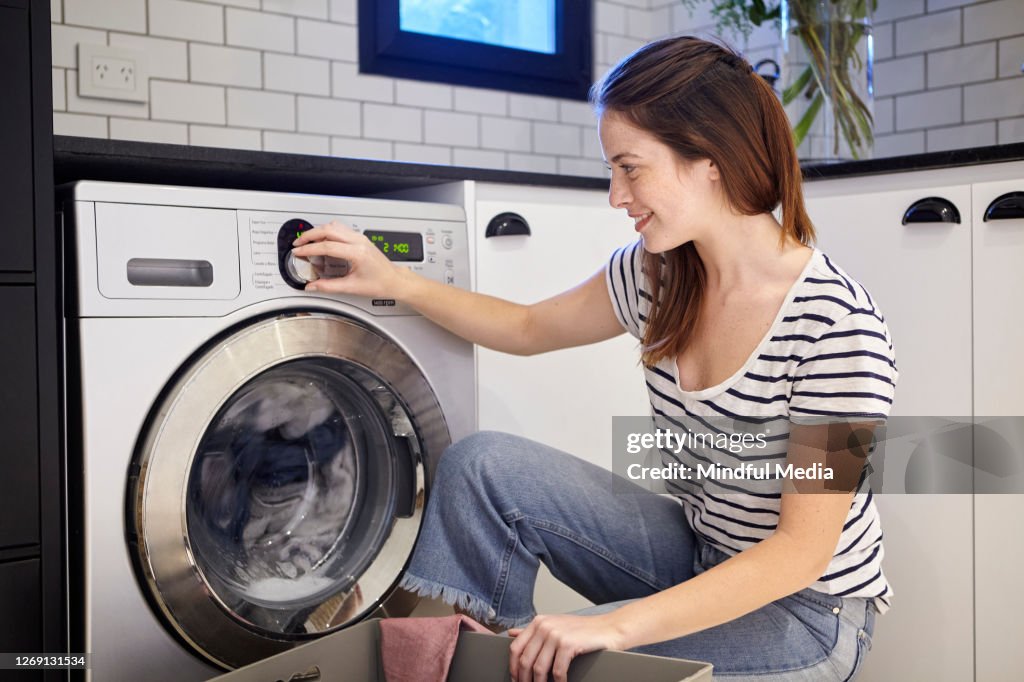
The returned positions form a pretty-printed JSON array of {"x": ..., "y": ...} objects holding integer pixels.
[{"x": 278, "y": 490}]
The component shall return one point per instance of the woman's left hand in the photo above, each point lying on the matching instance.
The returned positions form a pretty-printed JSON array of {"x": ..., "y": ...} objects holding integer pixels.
[{"x": 550, "y": 642}]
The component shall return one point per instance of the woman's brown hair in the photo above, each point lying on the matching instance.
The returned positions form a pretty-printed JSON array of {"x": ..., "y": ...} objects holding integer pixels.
[{"x": 705, "y": 102}]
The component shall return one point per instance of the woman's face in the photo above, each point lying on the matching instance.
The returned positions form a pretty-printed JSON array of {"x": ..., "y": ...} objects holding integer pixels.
[{"x": 671, "y": 201}]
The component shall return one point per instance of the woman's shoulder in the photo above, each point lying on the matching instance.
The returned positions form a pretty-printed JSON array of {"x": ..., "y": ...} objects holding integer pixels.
[
  {"x": 830, "y": 292},
  {"x": 829, "y": 277}
]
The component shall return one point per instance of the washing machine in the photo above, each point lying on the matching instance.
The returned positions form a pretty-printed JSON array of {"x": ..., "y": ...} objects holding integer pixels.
[{"x": 248, "y": 463}]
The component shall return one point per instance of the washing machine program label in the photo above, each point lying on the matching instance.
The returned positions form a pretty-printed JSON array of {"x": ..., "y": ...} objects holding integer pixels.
[{"x": 263, "y": 247}]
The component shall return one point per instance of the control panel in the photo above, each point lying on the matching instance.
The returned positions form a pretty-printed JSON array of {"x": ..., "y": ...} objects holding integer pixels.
[
  {"x": 161, "y": 251},
  {"x": 436, "y": 249}
]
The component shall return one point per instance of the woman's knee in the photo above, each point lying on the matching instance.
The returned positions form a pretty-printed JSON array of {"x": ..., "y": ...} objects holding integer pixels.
[{"x": 474, "y": 454}]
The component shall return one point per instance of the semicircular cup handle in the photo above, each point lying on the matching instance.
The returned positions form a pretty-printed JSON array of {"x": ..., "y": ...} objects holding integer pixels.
[
  {"x": 1006, "y": 207},
  {"x": 506, "y": 225},
  {"x": 932, "y": 210}
]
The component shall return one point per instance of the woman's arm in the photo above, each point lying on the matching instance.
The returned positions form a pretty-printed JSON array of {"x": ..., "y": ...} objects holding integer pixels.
[
  {"x": 810, "y": 523},
  {"x": 786, "y": 562},
  {"x": 811, "y": 518},
  {"x": 576, "y": 317}
]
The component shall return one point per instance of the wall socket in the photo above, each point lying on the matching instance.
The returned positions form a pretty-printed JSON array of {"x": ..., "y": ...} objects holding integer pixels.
[{"x": 112, "y": 73}]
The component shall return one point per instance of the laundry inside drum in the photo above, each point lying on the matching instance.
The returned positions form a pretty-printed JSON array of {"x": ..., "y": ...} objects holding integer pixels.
[{"x": 283, "y": 507}]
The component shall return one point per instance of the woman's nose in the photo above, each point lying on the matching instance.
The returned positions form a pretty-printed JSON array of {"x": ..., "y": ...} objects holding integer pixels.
[{"x": 618, "y": 195}]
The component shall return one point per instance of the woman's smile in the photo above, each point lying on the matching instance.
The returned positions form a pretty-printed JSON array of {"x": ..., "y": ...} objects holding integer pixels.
[{"x": 641, "y": 220}]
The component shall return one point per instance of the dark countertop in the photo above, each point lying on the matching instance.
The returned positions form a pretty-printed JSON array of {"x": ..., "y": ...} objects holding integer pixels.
[{"x": 79, "y": 158}]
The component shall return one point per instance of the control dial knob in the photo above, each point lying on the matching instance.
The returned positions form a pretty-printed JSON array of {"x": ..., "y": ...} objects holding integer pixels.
[
  {"x": 300, "y": 269},
  {"x": 294, "y": 270}
]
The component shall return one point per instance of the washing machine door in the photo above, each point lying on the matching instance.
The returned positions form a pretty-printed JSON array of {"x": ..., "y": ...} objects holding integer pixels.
[{"x": 277, "y": 492}]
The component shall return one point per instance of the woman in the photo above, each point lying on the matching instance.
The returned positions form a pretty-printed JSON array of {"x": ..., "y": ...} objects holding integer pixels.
[{"x": 738, "y": 316}]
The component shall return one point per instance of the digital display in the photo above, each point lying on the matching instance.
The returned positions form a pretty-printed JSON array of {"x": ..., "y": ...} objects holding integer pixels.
[{"x": 398, "y": 246}]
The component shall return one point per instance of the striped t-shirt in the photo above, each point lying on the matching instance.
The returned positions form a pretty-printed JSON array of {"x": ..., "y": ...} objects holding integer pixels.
[{"x": 827, "y": 353}]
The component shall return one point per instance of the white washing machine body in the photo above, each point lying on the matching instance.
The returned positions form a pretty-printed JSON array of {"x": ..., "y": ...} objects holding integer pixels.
[{"x": 248, "y": 462}]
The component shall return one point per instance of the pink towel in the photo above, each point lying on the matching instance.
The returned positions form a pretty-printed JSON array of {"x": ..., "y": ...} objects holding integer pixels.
[{"x": 421, "y": 649}]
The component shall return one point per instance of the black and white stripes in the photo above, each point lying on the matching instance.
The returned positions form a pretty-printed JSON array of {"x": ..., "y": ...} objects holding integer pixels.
[{"x": 828, "y": 354}]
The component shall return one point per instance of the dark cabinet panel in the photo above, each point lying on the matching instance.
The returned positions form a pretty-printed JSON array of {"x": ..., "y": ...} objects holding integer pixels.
[
  {"x": 16, "y": 225},
  {"x": 19, "y": 451},
  {"x": 20, "y": 623}
]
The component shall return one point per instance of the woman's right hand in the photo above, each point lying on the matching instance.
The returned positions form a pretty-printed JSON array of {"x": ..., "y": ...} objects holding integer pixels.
[{"x": 370, "y": 273}]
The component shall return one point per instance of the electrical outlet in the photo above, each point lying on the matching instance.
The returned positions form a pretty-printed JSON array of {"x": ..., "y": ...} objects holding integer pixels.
[
  {"x": 112, "y": 73},
  {"x": 108, "y": 72}
]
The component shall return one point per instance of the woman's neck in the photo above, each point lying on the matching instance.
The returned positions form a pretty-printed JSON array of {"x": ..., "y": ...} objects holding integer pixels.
[{"x": 743, "y": 254}]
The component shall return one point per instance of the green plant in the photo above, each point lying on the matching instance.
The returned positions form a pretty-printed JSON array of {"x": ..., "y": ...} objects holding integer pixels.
[
  {"x": 739, "y": 16},
  {"x": 830, "y": 31}
]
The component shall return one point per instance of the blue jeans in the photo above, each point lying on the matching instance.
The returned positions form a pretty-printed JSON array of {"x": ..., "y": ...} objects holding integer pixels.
[{"x": 501, "y": 504}]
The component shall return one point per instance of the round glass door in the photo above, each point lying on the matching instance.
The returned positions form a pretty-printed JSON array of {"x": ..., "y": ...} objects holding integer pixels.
[
  {"x": 281, "y": 484},
  {"x": 291, "y": 494}
]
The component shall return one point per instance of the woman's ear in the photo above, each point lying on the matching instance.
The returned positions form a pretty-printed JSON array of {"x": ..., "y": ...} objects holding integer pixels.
[{"x": 712, "y": 171}]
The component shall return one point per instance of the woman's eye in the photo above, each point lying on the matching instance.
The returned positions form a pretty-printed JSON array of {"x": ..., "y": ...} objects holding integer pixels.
[{"x": 629, "y": 169}]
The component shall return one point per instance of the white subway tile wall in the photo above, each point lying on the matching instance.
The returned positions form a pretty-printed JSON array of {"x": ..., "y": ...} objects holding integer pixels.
[
  {"x": 60, "y": 102},
  {"x": 258, "y": 109},
  {"x": 329, "y": 116},
  {"x": 296, "y": 143},
  {"x": 282, "y": 75},
  {"x": 316, "y": 9},
  {"x": 186, "y": 102},
  {"x": 226, "y": 65},
  {"x": 423, "y": 153},
  {"x": 305, "y": 75},
  {"x": 186, "y": 20},
  {"x": 80, "y": 124},
  {"x": 148, "y": 131},
  {"x": 928, "y": 109},
  {"x": 357, "y": 148},
  {"x": 114, "y": 15},
  {"x": 387, "y": 122},
  {"x": 221, "y": 136},
  {"x": 960, "y": 65},
  {"x": 167, "y": 59},
  {"x": 972, "y": 135},
  {"x": 452, "y": 129},
  {"x": 505, "y": 133},
  {"x": 478, "y": 158},
  {"x": 882, "y": 37},
  {"x": 1011, "y": 130}
]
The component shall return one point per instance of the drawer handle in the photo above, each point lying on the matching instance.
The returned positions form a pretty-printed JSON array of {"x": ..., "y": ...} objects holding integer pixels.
[
  {"x": 932, "y": 210},
  {"x": 507, "y": 225},
  {"x": 1006, "y": 207},
  {"x": 169, "y": 272}
]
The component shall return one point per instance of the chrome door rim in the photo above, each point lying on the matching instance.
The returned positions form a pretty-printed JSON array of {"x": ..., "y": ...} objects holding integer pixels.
[{"x": 158, "y": 498}]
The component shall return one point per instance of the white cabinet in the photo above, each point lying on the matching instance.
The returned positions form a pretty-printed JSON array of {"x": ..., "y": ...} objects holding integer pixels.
[
  {"x": 951, "y": 296},
  {"x": 567, "y": 398},
  {"x": 998, "y": 250},
  {"x": 920, "y": 276}
]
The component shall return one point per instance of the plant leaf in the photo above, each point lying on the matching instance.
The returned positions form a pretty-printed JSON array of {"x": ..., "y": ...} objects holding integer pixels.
[
  {"x": 800, "y": 131},
  {"x": 796, "y": 87}
]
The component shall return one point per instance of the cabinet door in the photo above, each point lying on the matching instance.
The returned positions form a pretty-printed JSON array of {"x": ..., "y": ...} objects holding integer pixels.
[
  {"x": 19, "y": 457},
  {"x": 920, "y": 276},
  {"x": 16, "y": 227},
  {"x": 567, "y": 398},
  {"x": 998, "y": 405},
  {"x": 20, "y": 606}
]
